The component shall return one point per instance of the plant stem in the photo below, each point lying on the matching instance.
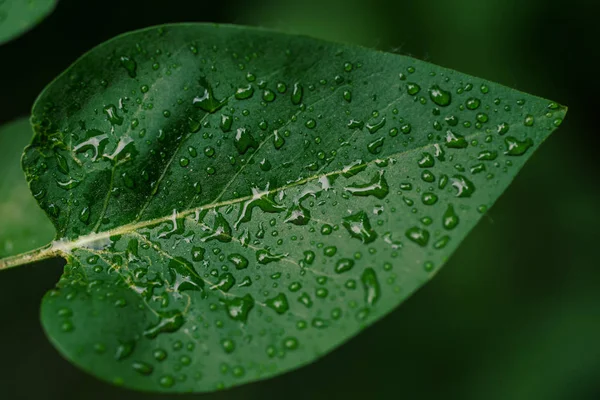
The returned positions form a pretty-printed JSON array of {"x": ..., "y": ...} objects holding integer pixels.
[{"x": 38, "y": 254}]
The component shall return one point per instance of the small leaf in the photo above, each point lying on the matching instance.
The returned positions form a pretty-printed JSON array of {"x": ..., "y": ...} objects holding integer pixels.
[
  {"x": 234, "y": 203},
  {"x": 23, "y": 226},
  {"x": 19, "y": 16}
]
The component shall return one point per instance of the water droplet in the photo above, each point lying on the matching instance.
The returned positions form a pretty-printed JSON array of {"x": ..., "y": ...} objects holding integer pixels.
[
  {"x": 278, "y": 140},
  {"x": 264, "y": 256},
  {"x": 371, "y": 286},
  {"x": 309, "y": 257},
  {"x": 429, "y": 198},
  {"x": 455, "y": 141},
  {"x": 167, "y": 381},
  {"x": 326, "y": 229},
  {"x": 463, "y": 186},
  {"x": 112, "y": 115},
  {"x": 515, "y": 147},
  {"x": 246, "y": 282},
  {"x": 67, "y": 326},
  {"x": 450, "y": 219},
  {"x": 244, "y": 140},
  {"x": 359, "y": 227},
  {"x": 207, "y": 101},
  {"x": 473, "y": 103},
  {"x": 197, "y": 253},
  {"x": 124, "y": 350},
  {"x": 185, "y": 360},
  {"x": 418, "y": 235},
  {"x": 244, "y": 93},
  {"x": 279, "y": 303},
  {"x": 290, "y": 343},
  {"x": 84, "y": 215},
  {"x": 343, "y": 265},
  {"x": 130, "y": 65},
  {"x": 374, "y": 127},
  {"x": 347, "y": 96},
  {"x": 305, "y": 300},
  {"x": 426, "y": 161},
  {"x": 378, "y": 187},
  {"x": 228, "y": 345},
  {"x": 298, "y": 215},
  {"x": 159, "y": 355},
  {"x": 265, "y": 165},
  {"x": 142, "y": 368},
  {"x": 226, "y": 122},
  {"x": 330, "y": 251},
  {"x": 169, "y": 322},
  {"x": 443, "y": 181},
  {"x": 297, "y": 93},
  {"x": 441, "y": 242},
  {"x": 238, "y": 371},
  {"x": 487, "y": 155},
  {"x": 354, "y": 169},
  {"x": 209, "y": 151},
  {"x": 503, "y": 128},
  {"x": 440, "y": 96},
  {"x": 226, "y": 282},
  {"x": 268, "y": 95},
  {"x": 478, "y": 168},
  {"x": 65, "y": 312},
  {"x": 375, "y": 146},
  {"x": 355, "y": 124},
  {"x": 238, "y": 308},
  {"x": 260, "y": 199},
  {"x": 95, "y": 141},
  {"x": 238, "y": 260},
  {"x": 482, "y": 117},
  {"x": 428, "y": 176},
  {"x": 182, "y": 276},
  {"x": 412, "y": 88},
  {"x": 529, "y": 120},
  {"x": 406, "y": 129}
]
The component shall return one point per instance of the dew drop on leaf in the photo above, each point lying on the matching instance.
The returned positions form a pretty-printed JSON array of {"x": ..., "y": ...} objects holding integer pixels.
[
  {"x": 238, "y": 308},
  {"x": 279, "y": 303},
  {"x": 359, "y": 227},
  {"x": 418, "y": 235},
  {"x": 168, "y": 323},
  {"x": 371, "y": 286},
  {"x": 440, "y": 96}
]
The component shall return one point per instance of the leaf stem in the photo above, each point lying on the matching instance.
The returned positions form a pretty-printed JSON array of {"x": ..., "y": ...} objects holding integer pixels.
[{"x": 42, "y": 253}]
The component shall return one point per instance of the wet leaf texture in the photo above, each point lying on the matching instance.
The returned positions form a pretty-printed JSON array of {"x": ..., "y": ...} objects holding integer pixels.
[{"x": 235, "y": 203}]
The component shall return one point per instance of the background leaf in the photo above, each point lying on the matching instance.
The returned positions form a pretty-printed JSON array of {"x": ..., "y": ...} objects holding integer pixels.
[
  {"x": 24, "y": 226},
  {"x": 247, "y": 200},
  {"x": 19, "y": 16}
]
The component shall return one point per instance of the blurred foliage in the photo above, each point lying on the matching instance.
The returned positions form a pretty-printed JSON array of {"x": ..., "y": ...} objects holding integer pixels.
[
  {"x": 513, "y": 315},
  {"x": 24, "y": 225}
]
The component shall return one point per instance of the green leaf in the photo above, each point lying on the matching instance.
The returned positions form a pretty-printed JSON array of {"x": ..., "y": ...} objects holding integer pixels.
[
  {"x": 24, "y": 226},
  {"x": 234, "y": 203},
  {"x": 19, "y": 16}
]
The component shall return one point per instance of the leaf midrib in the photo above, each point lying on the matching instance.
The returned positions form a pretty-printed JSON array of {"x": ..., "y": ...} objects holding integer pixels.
[{"x": 65, "y": 247}]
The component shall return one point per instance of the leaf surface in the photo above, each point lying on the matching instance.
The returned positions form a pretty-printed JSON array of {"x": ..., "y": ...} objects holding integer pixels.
[
  {"x": 234, "y": 203},
  {"x": 23, "y": 226},
  {"x": 19, "y": 16}
]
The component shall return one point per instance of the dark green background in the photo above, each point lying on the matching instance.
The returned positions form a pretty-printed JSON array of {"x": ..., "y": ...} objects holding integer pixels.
[{"x": 514, "y": 315}]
